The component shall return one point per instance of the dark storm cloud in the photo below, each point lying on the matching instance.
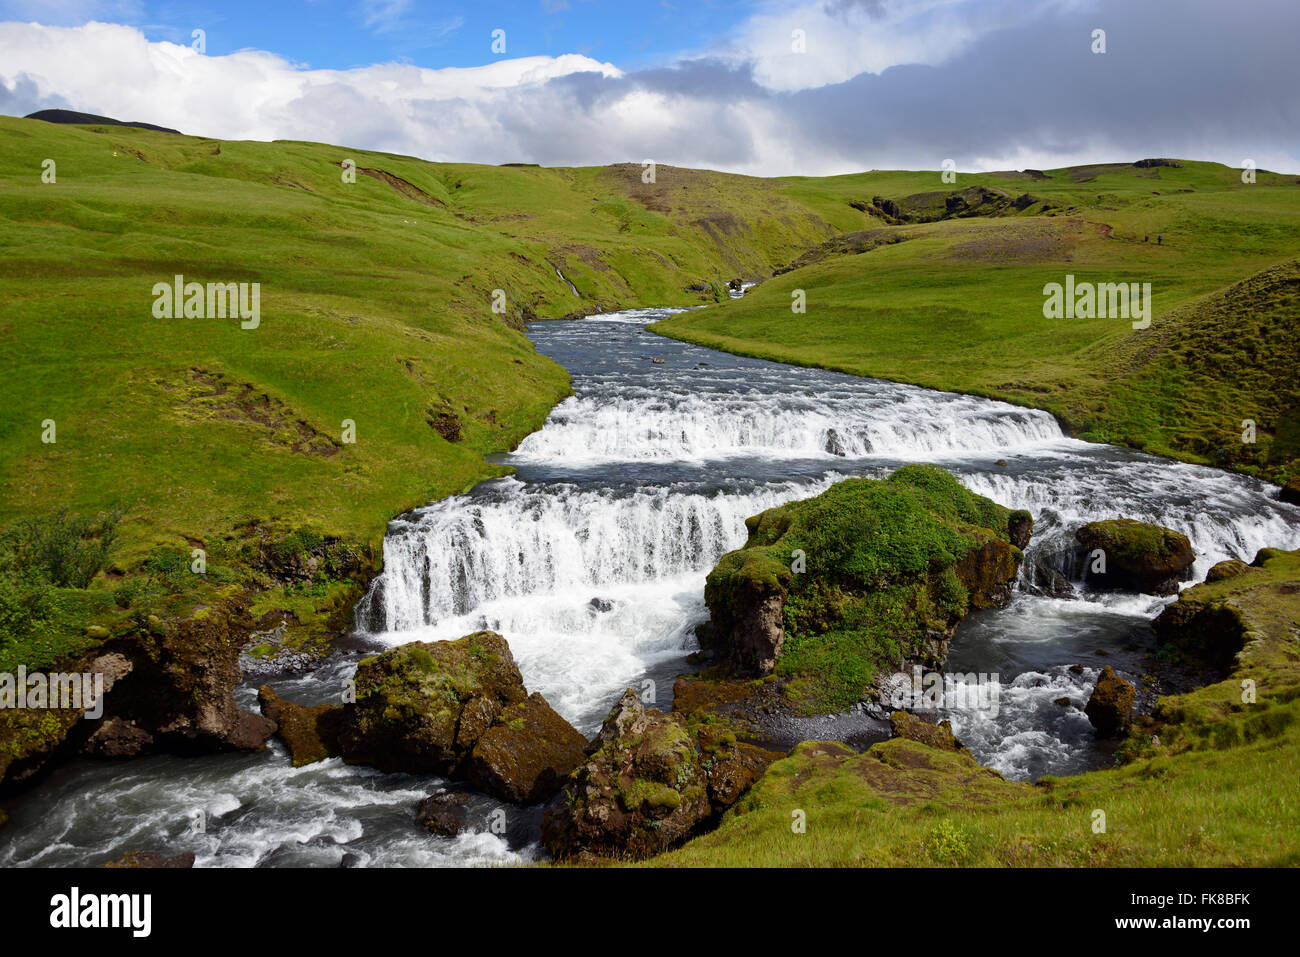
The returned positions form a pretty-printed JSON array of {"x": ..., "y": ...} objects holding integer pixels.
[{"x": 1208, "y": 78}]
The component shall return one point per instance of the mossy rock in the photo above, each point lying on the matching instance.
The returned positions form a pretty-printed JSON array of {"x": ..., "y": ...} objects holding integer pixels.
[
  {"x": 527, "y": 755},
  {"x": 1228, "y": 568},
  {"x": 309, "y": 731},
  {"x": 1139, "y": 556},
  {"x": 421, "y": 707},
  {"x": 650, "y": 780},
  {"x": 870, "y": 574},
  {"x": 1110, "y": 709}
]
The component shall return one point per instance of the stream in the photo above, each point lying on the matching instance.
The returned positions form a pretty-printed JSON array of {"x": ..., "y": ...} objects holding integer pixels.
[{"x": 590, "y": 559}]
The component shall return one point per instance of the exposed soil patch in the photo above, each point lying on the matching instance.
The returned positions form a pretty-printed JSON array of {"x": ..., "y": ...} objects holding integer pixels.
[
  {"x": 212, "y": 395},
  {"x": 409, "y": 190}
]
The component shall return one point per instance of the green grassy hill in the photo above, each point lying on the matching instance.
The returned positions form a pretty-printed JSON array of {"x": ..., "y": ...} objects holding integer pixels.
[{"x": 946, "y": 290}]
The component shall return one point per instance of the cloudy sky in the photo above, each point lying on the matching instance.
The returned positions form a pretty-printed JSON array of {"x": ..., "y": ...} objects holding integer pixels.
[{"x": 770, "y": 87}]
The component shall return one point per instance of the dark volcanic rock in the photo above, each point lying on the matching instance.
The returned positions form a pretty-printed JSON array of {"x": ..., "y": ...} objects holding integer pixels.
[
  {"x": 650, "y": 781},
  {"x": 527, "y": 755},
  {"x": 1291, "y": 491},
  {"x": 182, "y": 683},
  {"x": 1110, "y": 709},
  {"x": 118, "y": 738},
  {"x": 421, "y": 707},
  {"x": 1046, "y": 580},
  {"x": 458, "y": 708},
  {"x": 1139, "y": 556},
  {"x": 445, "y": 813},
  {"x": 310, "y": 732}
]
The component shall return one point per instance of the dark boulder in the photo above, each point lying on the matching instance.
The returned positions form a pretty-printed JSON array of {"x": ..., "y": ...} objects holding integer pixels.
[
  {"x": 1291, "y": 491},
  {"x": 527, "y": 754},
  {"x": 1139, "y": 556},
  {"x": 445, "y": 813},
  {"x": 310, "y": 732},
  {"x": 1110, "y": 709},
  {"x": 460, "y": 709},
  {"x": 650, "y": 780}
]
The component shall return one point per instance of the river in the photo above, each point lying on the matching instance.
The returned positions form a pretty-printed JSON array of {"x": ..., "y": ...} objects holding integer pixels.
[{"x": 591, "y": 560}]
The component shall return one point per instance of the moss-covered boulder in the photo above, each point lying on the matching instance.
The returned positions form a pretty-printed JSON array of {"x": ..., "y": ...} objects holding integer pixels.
[
  {"x": 426, "y": 707},
  {"x": 649, "y": 781},
  {"x": 1228, "y": 568},
  {"x": 1139, "y": 556},
  {"x": 36, "y": 737},
  {"x": 1213, "y": 622},
  {"x": 1110, "y": 709},
  {"x": 868, "y": 575},
  {"x": 938, "y": 736},
  {"x": 181, "y": 688},
  {"x": 527, "y": 754},
  {"x": 310, "y": 732}
]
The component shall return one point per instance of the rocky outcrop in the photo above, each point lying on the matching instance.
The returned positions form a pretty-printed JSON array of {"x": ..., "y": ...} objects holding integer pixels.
[
  {"x": 1048, "y": 581},
  {"x": 168, "y": 687},
  {"x": 1110, "y": 709},
  {"x": 1211, "y": 623},
  {"x": 35, "y": 737},
  {"x": 310, "y": 732},
  {"x": 649, "y": 781},
  {"x": 1138, "y": 556},
  {"x": 460, "y": 709},
  {"x": 181, "y": 686},
  {"x": 938, "y": 736},
  {"x": 882, "y": 571}
]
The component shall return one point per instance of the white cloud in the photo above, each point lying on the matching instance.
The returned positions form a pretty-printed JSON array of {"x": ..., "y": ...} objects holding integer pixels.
[{"x": 115, "y": 71}]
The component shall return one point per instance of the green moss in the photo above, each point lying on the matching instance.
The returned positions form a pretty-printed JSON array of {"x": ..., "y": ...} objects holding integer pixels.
[{"x": 879, "y": 574}]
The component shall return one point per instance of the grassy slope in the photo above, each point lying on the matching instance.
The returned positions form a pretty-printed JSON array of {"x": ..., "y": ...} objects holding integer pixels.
[
  {"x": 958, "y": 305},
  {"x": 375, "y": 307},
  {"x": 1218, "y": 790}
]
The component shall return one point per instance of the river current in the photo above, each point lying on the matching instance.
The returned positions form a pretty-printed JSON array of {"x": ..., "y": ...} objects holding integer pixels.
[{"x": 590, "y": 559}]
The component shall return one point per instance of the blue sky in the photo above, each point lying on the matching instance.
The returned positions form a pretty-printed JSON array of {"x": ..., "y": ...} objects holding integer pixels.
[
  {"x": 720, "y": 84},
  {"x": 338, "y": 34}
]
